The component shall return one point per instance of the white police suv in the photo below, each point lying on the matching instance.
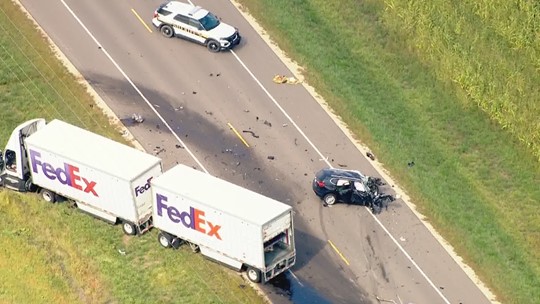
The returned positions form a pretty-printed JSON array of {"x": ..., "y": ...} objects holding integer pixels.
[{"x": 194, "y": 23}]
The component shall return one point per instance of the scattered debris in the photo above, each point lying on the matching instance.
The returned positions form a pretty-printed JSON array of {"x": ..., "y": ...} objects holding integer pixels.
[
  {"x": 194, "y": 92},
  {"x": 211, "y": 74},
  {"x": 266, "y": 122},
  {"x": 246, "y": 110},
  {"x": 209, "y": 112},
  {"x": 227, "y": 151},
  {"x": 257, "y": 118},
  {"x": 250, "y": 132},
  {"x": 179, "y": 146},
  {"x": 296, "y": 141},
  {"x": 342, "y": 166},
  {"x": 137, "y": 118},
  {"x": 284, "y": 79},
  {"x": 157, "y": 127},
  {"x": 410, "y": 164},
  {"x": 155, "y": 105},
  {"x": 284, "y": 125},
  {"x": 383, "y": 300},
  {"x": 370, "y": 155},
  {"x": 218, "y": 74},
  {"x": 158, "y": 150},
  {"x": 271, "y": 157},
  {"x": 179, "y": 108},
  {"x": 122, "y": 252},
  {"x": 402, "y": 239}
]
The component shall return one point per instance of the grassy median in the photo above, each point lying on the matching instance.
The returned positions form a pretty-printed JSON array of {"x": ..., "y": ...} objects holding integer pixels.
[
  {"x": 54, "y": 254},
  {"x": 450, "y": 86}
]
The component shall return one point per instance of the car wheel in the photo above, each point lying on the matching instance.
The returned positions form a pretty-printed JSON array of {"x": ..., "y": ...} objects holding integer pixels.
[
  {"x": 254, "y": 274},
  {"x": 167, "y": 31},
  {"x": 213, "y": 46},
  {"x": 330, "y": 199}
]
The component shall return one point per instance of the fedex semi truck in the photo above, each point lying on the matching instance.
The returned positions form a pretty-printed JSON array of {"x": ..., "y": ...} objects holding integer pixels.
[
  {"x": 225, "y": 222},
  {"x": 102, "y": 177}
]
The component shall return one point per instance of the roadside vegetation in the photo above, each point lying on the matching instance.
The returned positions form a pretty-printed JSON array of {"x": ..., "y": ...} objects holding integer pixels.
[
  {"x": 55, "y": 254},
  {"x": 452, "y": 86}
]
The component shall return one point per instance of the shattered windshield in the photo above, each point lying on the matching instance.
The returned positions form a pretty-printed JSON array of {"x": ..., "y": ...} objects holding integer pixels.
[{"x": 209, "y": 21}]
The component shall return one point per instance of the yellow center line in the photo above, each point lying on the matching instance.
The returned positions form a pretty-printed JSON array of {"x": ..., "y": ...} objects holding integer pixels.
[
  {"x": 238, "y": 134},
  {"x": 341, "y": 255},
  {"x": 141, "y": 20}
]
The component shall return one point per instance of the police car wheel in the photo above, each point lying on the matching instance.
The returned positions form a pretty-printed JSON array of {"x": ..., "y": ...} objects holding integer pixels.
[
  {"x": 213, "y": 46},
  {"x": 129, "y": 228},
  {"x": 329, "y": 199},
  {"x": 48, "y": 196},
  {"x": 167, "y": 31}
]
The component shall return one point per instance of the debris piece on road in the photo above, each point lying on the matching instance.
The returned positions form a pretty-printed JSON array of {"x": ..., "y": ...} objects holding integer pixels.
[
  {"x": 194, "y": 92},
  {"x": 342, "y": 166},
  {"x": 250, "y": 132},
  {"x": 383, "y": 300},
  {"x": 271, "y": 157},
  {"x": 218, "y": 74},
  {"x": 179, "y": 108},
  {"x": 209, "y": 112},
  {"x": 246, "y": 110},
  {"x": 402, "y": 239},
  {"x": 137, "y": 118},
  {"x": 266, "y": 122},
  {"x": 410, "y": 164},
  {"x": 284, "y": 125},
  {"x": 179, "y": 146},
  {"x": 370, "y": 155},
  {"x": 280, "y": 79}
]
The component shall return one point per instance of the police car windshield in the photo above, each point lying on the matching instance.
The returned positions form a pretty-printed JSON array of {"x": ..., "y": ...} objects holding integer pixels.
[{"x": 209, "y": 21}]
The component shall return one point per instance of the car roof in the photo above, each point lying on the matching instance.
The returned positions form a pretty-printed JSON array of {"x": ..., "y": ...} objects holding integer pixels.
[
  {"x": 186, "y": 9},
  {"x": 341, "y": 173}
]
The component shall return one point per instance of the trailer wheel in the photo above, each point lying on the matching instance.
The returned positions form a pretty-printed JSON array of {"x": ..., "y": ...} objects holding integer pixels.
[
  {"x": 194, "y": 247},
  {"x": 129, "y": 228},
  {"x": 253, "y": 274},
  {"x": 164, "y": 240},
  {"x": 48, "y": 196}
]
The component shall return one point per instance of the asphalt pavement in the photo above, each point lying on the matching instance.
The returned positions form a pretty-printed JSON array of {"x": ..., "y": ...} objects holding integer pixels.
[{"x": 222, "y": 113}]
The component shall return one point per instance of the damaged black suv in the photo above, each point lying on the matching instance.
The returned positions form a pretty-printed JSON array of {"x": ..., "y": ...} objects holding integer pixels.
[{"x": 351, "y": 187}]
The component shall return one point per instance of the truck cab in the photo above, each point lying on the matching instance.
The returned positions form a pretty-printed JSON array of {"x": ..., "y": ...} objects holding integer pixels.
[{"x": 14, "y": 166}]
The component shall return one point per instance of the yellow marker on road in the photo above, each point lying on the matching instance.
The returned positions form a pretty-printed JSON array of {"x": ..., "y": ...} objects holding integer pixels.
[
  {"x": 341, "y": 255},
  {"x": 141, "y": 20},
  {"x": 238, "y": 134}
]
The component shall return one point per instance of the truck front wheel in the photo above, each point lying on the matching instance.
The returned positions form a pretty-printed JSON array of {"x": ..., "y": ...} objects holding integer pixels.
[
  {"x": 164, "y": 240},
  {"x": 129, "y": 228},
  {"x": 48, "y": 196},
  {"x": 254, "y": 274}
]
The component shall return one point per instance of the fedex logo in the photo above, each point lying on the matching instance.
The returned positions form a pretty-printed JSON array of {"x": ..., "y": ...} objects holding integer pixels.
[
  {"x": 68, "y": 175},
  {"x": 141, "y": 190},
  {"x": 194, "y": 219}
]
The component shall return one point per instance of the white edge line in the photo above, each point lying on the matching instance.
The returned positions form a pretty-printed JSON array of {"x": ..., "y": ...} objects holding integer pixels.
[
  {"x": 134, "y": 86},
  {"x": 277, "y": 105},
  {"x": 328, "y": 163}
]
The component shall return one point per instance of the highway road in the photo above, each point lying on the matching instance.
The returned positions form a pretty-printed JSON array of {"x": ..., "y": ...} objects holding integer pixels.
[{"x": 193, "y": 100}]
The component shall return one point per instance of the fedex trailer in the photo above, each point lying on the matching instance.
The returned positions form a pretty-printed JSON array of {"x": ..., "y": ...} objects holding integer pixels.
[
  {"x": 102, "y": 177},
  {"x": 225, "y": 222}
]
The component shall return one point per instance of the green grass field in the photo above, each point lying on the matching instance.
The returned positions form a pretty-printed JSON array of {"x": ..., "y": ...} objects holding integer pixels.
[
  {"x": 452, "y": 86},
  {"x": 55, "y": 254}
]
